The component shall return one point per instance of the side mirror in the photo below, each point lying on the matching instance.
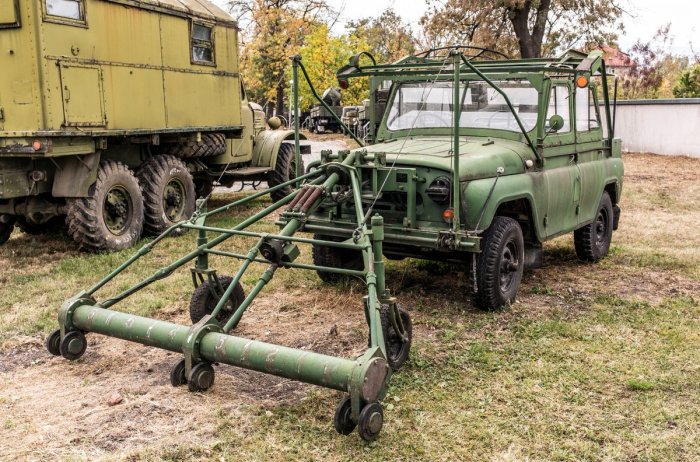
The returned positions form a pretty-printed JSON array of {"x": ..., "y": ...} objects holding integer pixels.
[{"x": 556, "y": 123}]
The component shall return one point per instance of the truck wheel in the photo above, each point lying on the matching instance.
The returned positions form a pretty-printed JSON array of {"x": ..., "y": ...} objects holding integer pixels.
[
  {"x": 6, "y": 230},
  {"x": 336, "y": 258},
  {"x": 500, "y": 264},
  {"x": 592, "y": 242},
  {"x": 168, "y": 193},
  {"x": 212, "y": 144},
  {"x": 111, "y": 217},
  {"x": 285, "y": 170}
]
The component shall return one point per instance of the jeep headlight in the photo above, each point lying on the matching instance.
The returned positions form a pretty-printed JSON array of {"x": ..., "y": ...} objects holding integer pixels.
[{"x": 440, "y": 190}]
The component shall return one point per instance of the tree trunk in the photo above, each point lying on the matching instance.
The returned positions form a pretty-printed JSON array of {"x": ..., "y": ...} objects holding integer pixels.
[
  {"x": 280, "y": 100},
  {"x": 530, "y": 43}
]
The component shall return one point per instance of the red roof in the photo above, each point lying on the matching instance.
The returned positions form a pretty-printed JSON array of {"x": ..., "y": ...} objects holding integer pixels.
[{"x": 616, "y": 58}]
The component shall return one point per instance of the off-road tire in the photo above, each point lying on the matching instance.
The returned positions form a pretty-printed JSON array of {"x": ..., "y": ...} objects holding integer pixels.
[
  {"x": 336, "y": 258},
  {"x": 54, "y": 225},
  {"x": 212, "y": 144},
  {"x": 168, "y": 194},
  {"x": 592, "y": 242},
  {"x": 86, "y": 215},
  {"x": 6, "y": 230},
  {"x": 203, "y": 302},
  {"x": 500, "y": 264},
  {"x": 285, "y": 170}
]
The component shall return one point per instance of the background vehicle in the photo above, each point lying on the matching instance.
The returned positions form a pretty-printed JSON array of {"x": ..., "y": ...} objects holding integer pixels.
[
  {"x": 321, "y": 119},
  {"x": 115, "y": 115},
  {"x": 529, "y": 161}
]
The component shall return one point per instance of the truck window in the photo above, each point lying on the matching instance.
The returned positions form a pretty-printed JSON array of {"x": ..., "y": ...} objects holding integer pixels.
[
  {"x": 202, "y": 44},
  {"x": 66, "y": 9},
  {"x": 586, "y": 113},
  {"x": 559, "y": 104},
  {"x": 8, "y": 14}
]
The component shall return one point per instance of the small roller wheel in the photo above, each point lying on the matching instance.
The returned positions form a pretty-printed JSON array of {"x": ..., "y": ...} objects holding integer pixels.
[
  {"x": 53, "y": 342},
  {"x": 201, "y": 377},
  {"x": 371, "y": 421},
  {"x": 73, "y": 345},
  {"x": 397, "y": 348},
  {"x": 341, "y": 420},
  {"x": 177, "y": 374}
]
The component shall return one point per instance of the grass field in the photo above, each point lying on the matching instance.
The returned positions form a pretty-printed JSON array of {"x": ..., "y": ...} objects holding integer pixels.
[{"x": 593, "y": 362}]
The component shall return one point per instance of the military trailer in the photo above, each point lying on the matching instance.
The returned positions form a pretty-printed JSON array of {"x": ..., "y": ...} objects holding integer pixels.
[{"x": 116, "y": 114}]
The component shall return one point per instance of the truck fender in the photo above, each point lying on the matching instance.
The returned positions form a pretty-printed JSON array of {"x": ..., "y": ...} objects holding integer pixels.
[
  {"x": 267, "y": 144},
  {"x": 75, "y": 175},
  {"x": 508, "y": 189}
]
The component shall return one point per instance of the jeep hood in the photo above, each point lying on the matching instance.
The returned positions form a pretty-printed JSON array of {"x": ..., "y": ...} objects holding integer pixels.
[{"x": 478, "y": 157}]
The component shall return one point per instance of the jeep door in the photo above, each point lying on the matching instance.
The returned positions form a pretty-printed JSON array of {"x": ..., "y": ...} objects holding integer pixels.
[
  {"x": 561, "y": 175},
  {"x": 590, "y": 152}
]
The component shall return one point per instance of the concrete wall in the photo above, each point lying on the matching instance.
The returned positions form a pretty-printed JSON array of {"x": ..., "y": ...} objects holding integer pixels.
[{"x": 670, "y": 126}]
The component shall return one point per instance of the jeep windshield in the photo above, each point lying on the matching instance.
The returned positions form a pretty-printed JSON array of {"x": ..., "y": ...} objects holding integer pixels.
[{"x": 429, "y": 105}]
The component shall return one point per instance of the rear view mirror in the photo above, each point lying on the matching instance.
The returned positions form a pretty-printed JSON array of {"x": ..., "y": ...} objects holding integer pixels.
[{"x": 556, "y": 123}]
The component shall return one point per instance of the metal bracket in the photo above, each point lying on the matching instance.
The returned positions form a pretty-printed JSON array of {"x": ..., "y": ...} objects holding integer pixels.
[
  {"x": 194, "y": 339},
  {"x": 65, "y": 313}
]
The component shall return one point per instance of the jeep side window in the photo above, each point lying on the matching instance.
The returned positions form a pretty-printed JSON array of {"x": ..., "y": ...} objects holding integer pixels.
[
  {"x": 559, "y": 105},
  {"x": 68, "y": 9},
  {"x": 202, "y": 43},
  {"x": 586, "y": 113}
]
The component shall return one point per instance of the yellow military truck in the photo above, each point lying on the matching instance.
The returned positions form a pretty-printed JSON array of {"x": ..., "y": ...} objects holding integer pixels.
[{"x": 116, "y": 114}]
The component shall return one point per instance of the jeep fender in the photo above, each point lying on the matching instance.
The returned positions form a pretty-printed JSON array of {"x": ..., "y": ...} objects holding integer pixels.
[
  {"x": 267, "y": 144},
  {"x": 508, "y": 188}
]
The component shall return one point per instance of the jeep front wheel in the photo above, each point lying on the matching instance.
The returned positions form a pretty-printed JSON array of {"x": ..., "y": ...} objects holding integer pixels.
[
  {"x": 500, "y": 264},
  {"x": 592, "y": 242},
  {"x": 168, "y": 193},
  {"x": 111, "y": 216}
]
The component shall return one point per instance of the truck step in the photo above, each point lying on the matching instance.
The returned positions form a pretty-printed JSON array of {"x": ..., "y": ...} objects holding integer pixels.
[{"x": 247, "y": 172}]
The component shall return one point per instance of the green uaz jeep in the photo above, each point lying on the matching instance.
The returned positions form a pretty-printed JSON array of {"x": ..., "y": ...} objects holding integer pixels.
[{"x": 479, "y": 162}]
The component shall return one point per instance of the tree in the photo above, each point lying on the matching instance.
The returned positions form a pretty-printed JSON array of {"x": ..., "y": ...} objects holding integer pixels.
[
  {"x": 387, "y": 36},
  {"x": 273, "y": 31},
  {"x": 531, "y": 27},
  {"x": 688, "y": 84}
]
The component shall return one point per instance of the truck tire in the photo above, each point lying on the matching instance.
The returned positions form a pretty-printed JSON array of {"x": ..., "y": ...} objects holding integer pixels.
[
  {"x": 500, "y": 264},
  {"x": 168, "y": 194},
  {"x": 111, "y": 217},
  {"x": 212, "y": 144},
  {"x": 336, "y": 258},
  {"x": 6, "y": 230},
  {"x": 592, "y": 242},
  {"x": 285, "y": 170}
]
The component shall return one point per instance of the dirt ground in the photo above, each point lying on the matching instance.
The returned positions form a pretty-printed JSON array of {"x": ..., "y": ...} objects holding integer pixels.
[{"x": 116, "y": 402}]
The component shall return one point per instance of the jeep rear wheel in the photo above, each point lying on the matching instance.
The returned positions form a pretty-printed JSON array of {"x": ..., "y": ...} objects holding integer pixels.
[
  {"x": 592, "y": 242},
  {"x": 285, "y": 170},
  {"x": 168, "y": 193},
  {"x": 335, "y": 257},
  {"x": 111, "y": 217},
  {"x": 500, "y": 264}
]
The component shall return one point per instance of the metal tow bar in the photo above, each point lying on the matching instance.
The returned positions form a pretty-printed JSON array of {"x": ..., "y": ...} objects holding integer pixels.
[{"x": 365, "y": 378}]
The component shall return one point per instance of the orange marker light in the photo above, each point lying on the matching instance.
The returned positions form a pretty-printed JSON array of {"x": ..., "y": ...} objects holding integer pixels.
[
  {"x": 37, "y": 145},
  {"x": 581, "y": 81},
  {"x": 448, "y": 215}
]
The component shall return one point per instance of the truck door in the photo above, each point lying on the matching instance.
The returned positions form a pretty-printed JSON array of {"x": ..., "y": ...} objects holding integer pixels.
[
  {"x": 561, "y": 176},
  {"x": 590, "y": 151}
]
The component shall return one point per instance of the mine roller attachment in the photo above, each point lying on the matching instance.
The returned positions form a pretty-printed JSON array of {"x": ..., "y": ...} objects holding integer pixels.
[{"x": 218, "y": 303}]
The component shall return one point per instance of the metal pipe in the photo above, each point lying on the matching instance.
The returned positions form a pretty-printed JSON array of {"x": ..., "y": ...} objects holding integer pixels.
[
  {"x": 305, "y": 366},
  {"x": 295, "y": 95},
  {"x": 457, "y": 112}
]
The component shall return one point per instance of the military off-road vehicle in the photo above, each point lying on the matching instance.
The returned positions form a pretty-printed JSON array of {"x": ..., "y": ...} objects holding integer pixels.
[
  {"x": 478, "y": 162},
  {"x": 116, "y": 114}
]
